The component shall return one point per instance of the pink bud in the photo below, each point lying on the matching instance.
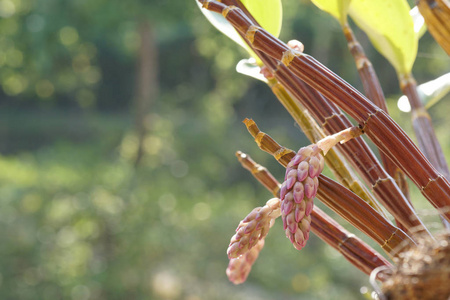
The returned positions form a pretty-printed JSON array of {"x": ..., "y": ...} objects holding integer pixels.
[
  {"x": 309, "y": 188},
  {"x": 283, "y": 191},
  {"x": 305, "y": 152},
  {"x": 298, "y": 192},
  {"x": 250, "y": 227},
  {"x": 302, "y": 170},
  {"x": 288, "y": 207},
  {"x": 290, "y": 221},
  {"x": 291, "y": 177},
  {"x": 314, "y": 167},
  {"x": 294, "y": 161},
  {"x": 299, "y": 213}
]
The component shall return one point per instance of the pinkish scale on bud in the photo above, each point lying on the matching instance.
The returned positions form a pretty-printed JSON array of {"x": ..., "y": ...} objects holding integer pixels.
[{"x": 298, "y": 191}]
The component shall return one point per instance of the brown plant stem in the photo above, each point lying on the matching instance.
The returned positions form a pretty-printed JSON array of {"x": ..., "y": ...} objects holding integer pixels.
[
  {"x": 379, "y": 127},
  {"x": 423, "y": 127},
  {"x": 341, "y": 200},
  {"x": 357, "y": 252},
  {"x": 374, "y": 92},
  {"x": 357, "y": 151}
]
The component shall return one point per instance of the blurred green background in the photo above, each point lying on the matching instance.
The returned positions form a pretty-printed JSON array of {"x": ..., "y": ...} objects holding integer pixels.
[{"x": 118, "y": 126}]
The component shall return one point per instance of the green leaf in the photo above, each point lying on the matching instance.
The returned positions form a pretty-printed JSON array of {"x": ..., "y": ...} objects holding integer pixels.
[
  {"x": 269, "y": 16},
  {"x": 336, "y": 8},
  {"x": 268, "y": 13},
  {"x": 390, "y": 29}
]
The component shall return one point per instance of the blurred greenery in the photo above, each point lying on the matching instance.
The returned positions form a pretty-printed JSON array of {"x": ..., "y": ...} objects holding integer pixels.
[{"x": 78, "y": 219}]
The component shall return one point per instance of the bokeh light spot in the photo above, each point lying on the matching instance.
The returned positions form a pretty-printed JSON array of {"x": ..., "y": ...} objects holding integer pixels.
[
  {"x": 35, "y": 23},
  {"x": 167, "y": 202},
  {"x": 166, "y": 285},
  {"x": 80, "y": 292},
  {"x": 14, "y": 85},
  {"x": 7, "y": 8},
  {"x": 68, "y": 35},
  {"x": 179, "y": 168},
  {"x": 201, "y": 211},
  {"x": 300, "y": 283},
  {"x": 44, "y": 89}
]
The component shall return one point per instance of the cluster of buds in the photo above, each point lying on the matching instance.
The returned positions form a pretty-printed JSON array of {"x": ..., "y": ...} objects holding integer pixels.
[
  {"x": 239, "y": 268},
  {"x": 298, "y": 191},
  {"x": 253, "y": 228},
  {"x": 248, "y": 241}
]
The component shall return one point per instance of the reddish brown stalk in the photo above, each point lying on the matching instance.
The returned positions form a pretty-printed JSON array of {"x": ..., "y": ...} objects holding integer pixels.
[
  {"x": 357, "y": 151},
  {"x": 340, "y": 199},
  {"x": 374, "y": 92},
  {"x": 379, "y": 127},
  {"x": 423, "y": 126},
  {"x": 357, "y": 252}
]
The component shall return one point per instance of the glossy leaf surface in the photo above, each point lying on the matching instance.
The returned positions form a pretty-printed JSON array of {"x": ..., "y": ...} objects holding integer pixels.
[{"x": 390, "y": 29}]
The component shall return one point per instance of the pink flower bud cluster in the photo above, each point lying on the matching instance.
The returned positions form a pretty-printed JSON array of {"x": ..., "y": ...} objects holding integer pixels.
[
  {"x": 298, "y": 191},
  {"x": 239, "y": 268},
  {"x": 253, "y": 228}
]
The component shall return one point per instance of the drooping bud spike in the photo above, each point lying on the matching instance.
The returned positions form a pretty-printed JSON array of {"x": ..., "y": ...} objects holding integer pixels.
[
  {"x": 254, "y": 228},
  {"x": 297, "y": 193}
]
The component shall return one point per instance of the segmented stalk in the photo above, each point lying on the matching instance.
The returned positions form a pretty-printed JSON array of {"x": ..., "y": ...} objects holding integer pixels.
[
  {"x": 357, "y": 152},
  {"x": 379, "y": 127}
]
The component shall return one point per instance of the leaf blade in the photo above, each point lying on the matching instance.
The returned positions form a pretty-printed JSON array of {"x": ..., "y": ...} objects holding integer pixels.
[{"x": 390, "y": 28}]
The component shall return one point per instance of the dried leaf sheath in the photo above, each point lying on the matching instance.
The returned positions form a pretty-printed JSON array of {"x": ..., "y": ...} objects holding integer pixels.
[
  {"x": 383, "y": 131},
  {"x": 353, "y": 208},
  {"x": 351, "y": 247}
]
